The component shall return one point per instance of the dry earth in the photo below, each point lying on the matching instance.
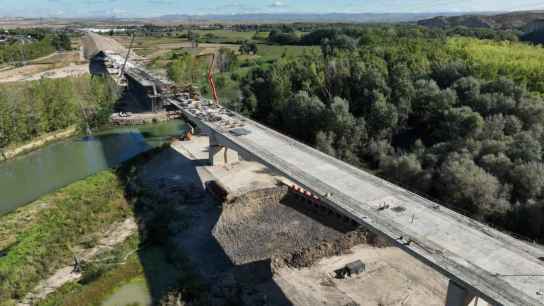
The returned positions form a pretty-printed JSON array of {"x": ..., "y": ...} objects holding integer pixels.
[
  {"x": 55, "y": 65},
  {"x": 392, "y": 277}
]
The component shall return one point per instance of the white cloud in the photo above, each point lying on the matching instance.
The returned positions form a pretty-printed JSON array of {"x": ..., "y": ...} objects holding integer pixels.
[{"x": 277, "y": 4}]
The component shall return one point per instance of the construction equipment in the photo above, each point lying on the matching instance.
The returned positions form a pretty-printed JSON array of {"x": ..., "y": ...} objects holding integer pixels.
[
  {"x": 211, "y": 81},
  {"x": 126, "y": 58}
]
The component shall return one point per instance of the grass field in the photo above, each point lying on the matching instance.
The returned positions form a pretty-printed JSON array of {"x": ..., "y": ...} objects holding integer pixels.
[
  {"x": 231, "y": 36},
  {"x": 272, "y": 52},
  {"x": 489, "y": 59},
  {"x": 161, "y": 49}
]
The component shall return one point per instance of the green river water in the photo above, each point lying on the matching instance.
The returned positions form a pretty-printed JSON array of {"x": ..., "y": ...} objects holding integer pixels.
[{"x": 31, "y": 176}]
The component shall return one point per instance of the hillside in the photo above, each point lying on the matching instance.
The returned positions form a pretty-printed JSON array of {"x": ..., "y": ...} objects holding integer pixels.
[
  {"x": 515, "y": 20},
  {"x": 292, "y": 17}
]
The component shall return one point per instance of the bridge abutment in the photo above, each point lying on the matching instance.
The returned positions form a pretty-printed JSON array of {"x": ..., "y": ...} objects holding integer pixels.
[{"x": 461, "y": 296}]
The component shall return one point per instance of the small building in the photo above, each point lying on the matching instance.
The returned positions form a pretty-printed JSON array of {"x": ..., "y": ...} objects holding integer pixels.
[{"x": 350, "y": 269}]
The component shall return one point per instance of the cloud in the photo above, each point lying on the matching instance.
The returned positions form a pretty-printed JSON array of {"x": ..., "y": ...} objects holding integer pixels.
[
  {"x": 231, "y": 8},
  {"x": 162, "y": 2},
  {"x": 277, "y": 4}
]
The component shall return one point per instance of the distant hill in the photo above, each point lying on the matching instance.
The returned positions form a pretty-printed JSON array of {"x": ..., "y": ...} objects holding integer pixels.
[
  {"x": 515, "y": 20},
  {"x": 288, "y": 17}
]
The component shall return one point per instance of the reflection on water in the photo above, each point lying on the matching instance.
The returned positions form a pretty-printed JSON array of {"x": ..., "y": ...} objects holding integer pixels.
[
  {"x": 25, "y": 179},
  {"x": 159, "y": 276},
  {"x": 135, "y": 292}
]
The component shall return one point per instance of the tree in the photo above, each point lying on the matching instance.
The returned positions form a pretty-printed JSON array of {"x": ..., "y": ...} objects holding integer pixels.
[
  {"x": 460, "y": 122},
  {"x": 497, "y": 164},
  {"x": 383, "y": 115},
  {"x": 103, "y": 93},
  {"x": 342, "y": 42},
  {"x": 430, "y": 100},
  {"x": 62, "y": 42},
  {"x": 525, "y": 148},
  {"x": 446, "y": 74},
  {"x": 528, "y": 179},
  {"x": 180, "y": 70},
  {"x": 226, "y": 60},
  {"x": 530, "y": 110},
  {"x": 468, "y": 89},
  {"x": 283, "y": 38},
  {"x": 248, "y": 47},
  {"x": 340, "y": 120},
  {"x": 304, "y": 116},
  {"x": 407, "y": 170},
  {"x": 468, "y": 186},
  {"x": 324, "y": 142}
]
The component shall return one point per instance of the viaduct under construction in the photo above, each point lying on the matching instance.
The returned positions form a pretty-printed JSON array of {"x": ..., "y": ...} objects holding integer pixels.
[{"x": 485, "y": 266}]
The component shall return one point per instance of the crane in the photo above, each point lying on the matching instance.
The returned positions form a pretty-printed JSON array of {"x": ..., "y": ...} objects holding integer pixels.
[
  {"x": 211, "y": 81},
  {"x": 126, "y": 58}
]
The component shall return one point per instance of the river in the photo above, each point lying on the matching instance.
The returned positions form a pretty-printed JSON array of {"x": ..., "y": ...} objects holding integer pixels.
[{"x": 25, "y": 179}]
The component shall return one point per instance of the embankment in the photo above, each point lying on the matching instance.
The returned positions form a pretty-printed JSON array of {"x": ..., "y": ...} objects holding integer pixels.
[{"x": 37, "y": 143}]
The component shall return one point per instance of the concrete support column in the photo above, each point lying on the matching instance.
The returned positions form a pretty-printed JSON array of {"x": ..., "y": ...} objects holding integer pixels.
[
  {"x": 460, "y": 296},
  {"x": 220, "y": 155}
]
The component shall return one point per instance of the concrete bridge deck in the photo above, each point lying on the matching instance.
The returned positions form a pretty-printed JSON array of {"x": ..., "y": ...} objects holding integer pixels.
[
  {"x": 499, "y": 268},
  {"x": 481, "y": 261}
]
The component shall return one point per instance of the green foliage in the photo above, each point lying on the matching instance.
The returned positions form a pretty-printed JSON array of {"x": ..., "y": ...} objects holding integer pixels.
[
  {"x": 226, "y": 60},
  {"x": 17, "y": 52},
  {"x": 469, "y": 186},
  {"x": 62, "y": 42},
  {"x": 453, "y": 118},
  {"x": 529, "y": 179},
  {"x": 48, "y": 105},
  {"x": 490, "y": 60},
  {"x": 248, "y": 48},
  {"x": 180, "y": 70},
  {"x": 284, "y": 36},
  {"x": 83, "y": 208},
  {"x": 102, "y": 95}
]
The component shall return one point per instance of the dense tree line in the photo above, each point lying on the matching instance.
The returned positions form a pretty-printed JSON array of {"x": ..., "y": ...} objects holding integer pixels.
[
  {"x": 14, "y": 53},
  {"x": 46, "y": 44},
  {"x": 372, "y": 34},
  {"x": 417, "y": 114},
  {"x": 49, "y": 105}
]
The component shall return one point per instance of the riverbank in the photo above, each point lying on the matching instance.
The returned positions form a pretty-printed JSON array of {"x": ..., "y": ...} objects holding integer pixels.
[
  {"x": 28, "y": 177},
  {"x": 16, "y": 150},
  {"x": 40, "y": 238},
  {"x": 139, "y": 267}
]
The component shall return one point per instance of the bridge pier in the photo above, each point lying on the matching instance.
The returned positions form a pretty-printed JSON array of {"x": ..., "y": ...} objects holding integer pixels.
[
  {"x": 220, "y": 155},
  {"x": 460, "y": 296}
]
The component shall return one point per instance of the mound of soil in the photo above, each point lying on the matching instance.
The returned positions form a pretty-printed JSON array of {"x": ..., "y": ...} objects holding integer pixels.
[{"x": 274, "y": 222}]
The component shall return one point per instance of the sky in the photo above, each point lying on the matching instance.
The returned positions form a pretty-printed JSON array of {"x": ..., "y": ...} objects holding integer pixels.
[{"x": 152, "y": 8}]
